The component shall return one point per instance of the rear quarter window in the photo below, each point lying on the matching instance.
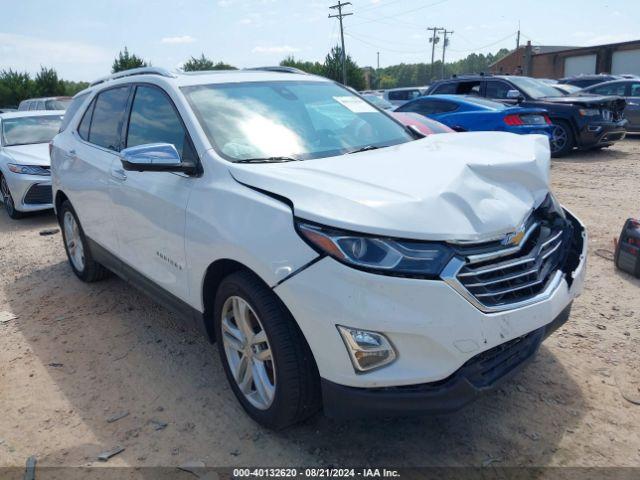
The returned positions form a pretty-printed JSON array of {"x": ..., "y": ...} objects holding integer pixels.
[
  {"x": 108, "y": 118},
  {"x": 76, "y": 103}
]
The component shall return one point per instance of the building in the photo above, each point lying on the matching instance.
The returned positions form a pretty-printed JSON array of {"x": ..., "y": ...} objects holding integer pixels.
[{"x": 558, "y": 61}]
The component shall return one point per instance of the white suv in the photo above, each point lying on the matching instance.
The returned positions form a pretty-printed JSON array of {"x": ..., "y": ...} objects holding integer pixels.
[{"x": 339, "y": 261}]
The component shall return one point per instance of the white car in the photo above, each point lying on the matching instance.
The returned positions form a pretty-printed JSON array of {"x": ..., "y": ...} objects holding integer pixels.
[
  {"x": 25, "y": 182},
  {"x": 340, "y": 262}
]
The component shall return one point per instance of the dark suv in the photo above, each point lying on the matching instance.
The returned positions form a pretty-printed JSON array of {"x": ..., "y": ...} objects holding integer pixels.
[
  {"x": 584, "y": 81},
  {"x": 580, "y": 121}
]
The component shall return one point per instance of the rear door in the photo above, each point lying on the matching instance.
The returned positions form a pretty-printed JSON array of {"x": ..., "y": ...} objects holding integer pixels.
[
  {"x": 632, "y": 110},
  {"x": 90, "y": 161},
  {"x": 150, "y": 207}
]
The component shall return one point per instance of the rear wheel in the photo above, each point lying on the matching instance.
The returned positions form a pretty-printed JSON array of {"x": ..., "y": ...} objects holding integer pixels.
[
  {"x": 77, "y": 248},
  {"x": 266, "y": 359},
  {"x": 562, "y": 141},
  {"x": 7, "y": 200}
]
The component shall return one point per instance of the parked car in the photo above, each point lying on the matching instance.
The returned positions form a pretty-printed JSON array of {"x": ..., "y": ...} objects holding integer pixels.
[
  {"x": 630, "y": 90},
  {"x": 467, "y": 113},
  {"x": 584, "y": 81},
  {"x": 582, "y": 122},
  {"x": 339, "y": 260},
  {"x": 399, "y": 96},
  {"x": 422, "y": 124},
  {"x": 566, "y": 89},
  {"x": 45, "y": 103},
  {"x": 7, "y": 110},
  {"x": 25, "y": 182},
  {"x": 378, "y": 101}
]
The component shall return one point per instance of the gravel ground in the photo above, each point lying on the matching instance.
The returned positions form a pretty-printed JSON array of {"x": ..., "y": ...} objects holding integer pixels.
[{"x": 78, "y": 354}]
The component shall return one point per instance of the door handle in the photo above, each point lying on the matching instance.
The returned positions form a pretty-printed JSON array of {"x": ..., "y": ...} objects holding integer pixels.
[{"x": 119, "y": 174}]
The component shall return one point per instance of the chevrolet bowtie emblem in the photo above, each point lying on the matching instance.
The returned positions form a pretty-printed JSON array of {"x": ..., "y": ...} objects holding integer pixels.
[{"x": 513, "y": 239}]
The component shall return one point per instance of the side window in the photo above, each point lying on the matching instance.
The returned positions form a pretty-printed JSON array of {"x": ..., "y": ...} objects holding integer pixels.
[
  {"x": 496, "y": 89},
  {"x": 423, "y": 107},
  {"x": 442, "y": 106},
  {"x": 398, "y": 95},
  {"x": 32, "y": 106},
  {"x": 83, "y": 128},
  {"x": 155, "y": 120},
  {"x": 40, "y": 105},
  {"x": 635, "y": 90},
  {"x": 71, "y": 111},
  {"x": 469, "y": 88},
  {"x": 446, "y": 88},
  {"x": 108, "y": 117},
  {"x": 611, "y": 89}
]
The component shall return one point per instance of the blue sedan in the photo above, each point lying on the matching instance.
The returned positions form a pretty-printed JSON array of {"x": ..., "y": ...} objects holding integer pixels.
[{"x": 467, "y": 113}]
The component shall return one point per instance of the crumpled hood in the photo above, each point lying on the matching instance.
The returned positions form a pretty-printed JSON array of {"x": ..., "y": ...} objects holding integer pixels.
[
  {"x": 36, "y": 154},
  {"x": 464, "y": 187}
]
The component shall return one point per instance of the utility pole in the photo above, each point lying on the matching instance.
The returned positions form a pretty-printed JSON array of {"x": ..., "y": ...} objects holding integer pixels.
[
  {"x": 445, "y": 44},
  {"x": 518, "y": 37},
  {"x": 378, "y": 71},
  {"x": 339, "y": 16},
  {"x": 378, "y": 60},
  {"x": 433, "y": 40}
]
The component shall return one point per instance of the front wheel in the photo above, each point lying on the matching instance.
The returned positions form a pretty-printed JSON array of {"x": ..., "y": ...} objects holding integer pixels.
[
  {"x": 77, "y": 248},
  {"x": 7, "y": 200},
  {"x": 562, "y": 141},
  {"x": 266, "y": 359}
]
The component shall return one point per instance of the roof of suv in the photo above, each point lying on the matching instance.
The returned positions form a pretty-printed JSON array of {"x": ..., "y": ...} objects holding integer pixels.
[
  {"x": 181, "y": 79},
  {"x": 31, "y": 113}
]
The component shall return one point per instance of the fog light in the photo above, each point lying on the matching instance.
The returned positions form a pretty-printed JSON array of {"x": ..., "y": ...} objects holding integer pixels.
[{"x": 368, "y": 350}]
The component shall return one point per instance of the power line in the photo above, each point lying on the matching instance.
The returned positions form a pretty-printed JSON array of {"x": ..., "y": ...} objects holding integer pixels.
[
  {"x": 340, "y": 16},
  {"x": 403, "y": 13}
]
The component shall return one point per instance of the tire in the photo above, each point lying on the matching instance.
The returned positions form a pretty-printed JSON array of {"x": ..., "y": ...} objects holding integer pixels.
[
  {"x": 290, "y": 388},
  {"x": 563, "y": 140},
  {"x": 77, "y": 247},
  {"x": 7, "y": 200}
]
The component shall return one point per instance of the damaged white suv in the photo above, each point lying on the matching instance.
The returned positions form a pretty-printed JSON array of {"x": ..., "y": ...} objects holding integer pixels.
[{"x": 339, "y": 261}]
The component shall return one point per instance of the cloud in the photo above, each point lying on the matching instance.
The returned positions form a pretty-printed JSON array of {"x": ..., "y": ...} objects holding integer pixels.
[
  {"x": 178, "y": 39},
  {"x": 25, "y": 52},
  {"x": 275, "y": 49},
  {"x": 245, "y": 21}
]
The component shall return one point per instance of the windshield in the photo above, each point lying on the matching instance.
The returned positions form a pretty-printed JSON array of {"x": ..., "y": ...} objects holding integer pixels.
[
  {"x": 27, "y": 130},
  {"x": 378, "y": 101},
  {"x": 296, "y": 119},
  {"x": 58, "y": 104},
  {"x": 534, "y": 88}
]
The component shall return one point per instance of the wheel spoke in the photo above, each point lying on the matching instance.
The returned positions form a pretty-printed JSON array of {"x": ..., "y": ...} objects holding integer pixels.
[
  {"x": 264, "y": 389},
  {"x": 264, "y": 355},
  {"x": 233, "y": 335},
  {"x": 259, "y": 338},
  {"x": 245, "y": 375}
]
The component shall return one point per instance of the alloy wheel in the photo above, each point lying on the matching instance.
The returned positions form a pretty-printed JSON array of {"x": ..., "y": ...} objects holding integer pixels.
[
  {"x": 559, "y": 139},
  {"x": 7, "y": 199},
  {"x": 248, "y": 352},
  {"x": 73, "y": 241}
]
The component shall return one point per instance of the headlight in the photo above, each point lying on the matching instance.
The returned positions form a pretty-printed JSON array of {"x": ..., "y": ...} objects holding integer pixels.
[
  {"x": 28, "y": 169},
  {"x": 589, "y": 112},
  {"x": 552, "y": 205},
  {"x": 379, "y": 254}
]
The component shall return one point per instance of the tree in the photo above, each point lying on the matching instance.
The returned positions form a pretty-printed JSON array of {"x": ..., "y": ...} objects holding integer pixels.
[
  {"x": 203, "y": 63},
  {"x": 127, "y": 61},
  {"x": 333, "y": 69},
  {"x": 47, "y": 83},
  {"x": 14, "y": 87},
  {"x": 314, "y": 68}
]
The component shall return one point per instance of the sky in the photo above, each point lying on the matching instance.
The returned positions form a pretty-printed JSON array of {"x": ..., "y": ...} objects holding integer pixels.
[{"x": 80, "y": 38}]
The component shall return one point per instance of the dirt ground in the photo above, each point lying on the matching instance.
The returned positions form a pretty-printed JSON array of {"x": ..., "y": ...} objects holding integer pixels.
[{"x": 78, "y": 354}]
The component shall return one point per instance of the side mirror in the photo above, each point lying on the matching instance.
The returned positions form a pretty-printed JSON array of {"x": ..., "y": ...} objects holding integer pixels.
[
  {"x": 154, "y": 157},
  {"x": 515, "y": 95}
]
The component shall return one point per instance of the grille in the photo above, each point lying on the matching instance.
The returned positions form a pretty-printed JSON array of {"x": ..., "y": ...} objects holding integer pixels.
[
  {"x": 39, "y": 195},
  {"x": 509, "y": 275}
]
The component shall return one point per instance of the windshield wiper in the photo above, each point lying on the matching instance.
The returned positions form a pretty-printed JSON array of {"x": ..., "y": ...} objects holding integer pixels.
[
  {"x": 267, "y": 160},
  {"x": 367, "y": 148}
]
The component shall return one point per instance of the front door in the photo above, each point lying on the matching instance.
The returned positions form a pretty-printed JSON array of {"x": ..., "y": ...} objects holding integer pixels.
[
  {"x": 150, "y": 207},
  {"x": 632, "y": 110}
]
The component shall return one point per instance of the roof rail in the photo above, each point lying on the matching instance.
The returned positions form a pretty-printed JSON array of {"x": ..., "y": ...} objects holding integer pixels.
[
  {"x": 135, "y": 71},
  {"x": 279, "y": 68}
]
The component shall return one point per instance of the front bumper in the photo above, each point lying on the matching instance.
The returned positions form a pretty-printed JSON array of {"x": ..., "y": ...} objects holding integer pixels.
[
  {"x": 480, "y": 374},
  {"x": 30, "y": 192},
  {"x": 433, "y": 328},
  {"x": 601, "y": 134}
]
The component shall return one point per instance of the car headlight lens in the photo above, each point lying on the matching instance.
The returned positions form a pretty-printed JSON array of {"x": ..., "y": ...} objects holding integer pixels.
[
  {"x": 382, "y": 255},
  {"x": 28, "y": 169}
]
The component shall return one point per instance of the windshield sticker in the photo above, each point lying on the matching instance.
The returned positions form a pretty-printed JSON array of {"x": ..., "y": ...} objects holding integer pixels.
[{"x": 355, "y": 104}]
